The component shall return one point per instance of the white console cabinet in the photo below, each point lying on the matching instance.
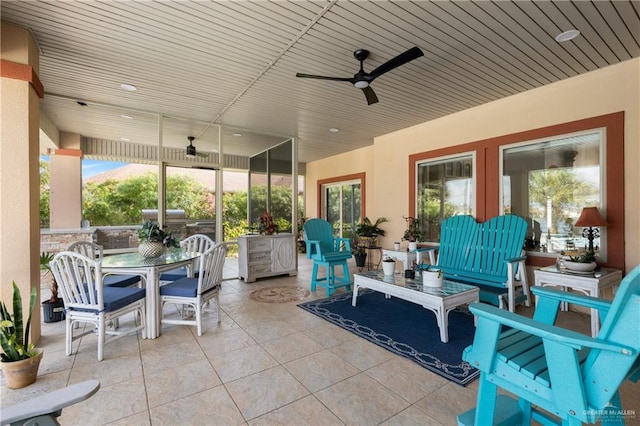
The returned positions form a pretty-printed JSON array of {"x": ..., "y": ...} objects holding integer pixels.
[{"x": 266, "y": 255}]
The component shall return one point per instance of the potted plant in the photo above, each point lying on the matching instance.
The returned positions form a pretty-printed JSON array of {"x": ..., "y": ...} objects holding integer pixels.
[
  {"x": 388, "y": 266},
  {"x": 583, "y": 262},
  {"x": 52, "y": 309},
  {"x": 413, "y": 233},
  {"x": 368, "y": 232},
  {"x": 266, "y": 225},
  {"x": 20, "y": 359},
  {"x": 359, "y": 253},
  {"x": 154, "y": 240}
]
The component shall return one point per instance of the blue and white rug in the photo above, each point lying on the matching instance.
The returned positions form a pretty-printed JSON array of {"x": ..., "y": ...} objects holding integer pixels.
[{"x": 405, "y": 329}]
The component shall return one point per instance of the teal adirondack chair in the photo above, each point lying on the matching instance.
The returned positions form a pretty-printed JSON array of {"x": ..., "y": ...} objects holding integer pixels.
[
  {"x": 554, "y": 371},
  {"x": 488, "y": 255},
  {"x": 328, "y": 252}
]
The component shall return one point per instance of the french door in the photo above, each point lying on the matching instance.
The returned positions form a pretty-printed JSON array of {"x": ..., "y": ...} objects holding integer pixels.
[{"x": 341, "y": 206}]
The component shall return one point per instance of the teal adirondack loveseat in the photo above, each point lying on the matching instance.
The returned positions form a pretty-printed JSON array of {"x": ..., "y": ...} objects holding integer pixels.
[{"x": 487, "y": 255}]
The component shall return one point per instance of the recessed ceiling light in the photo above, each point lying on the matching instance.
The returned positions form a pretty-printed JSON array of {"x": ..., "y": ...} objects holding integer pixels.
[
  {"x": 129, "y": 87},
  {"x": 567, "y": 35},
  {"x": 125, "y": 139},
  {"x": 127, "y": 116},
  {"x": 237, "y": 135},
  {"x": 334, "y": 130}
]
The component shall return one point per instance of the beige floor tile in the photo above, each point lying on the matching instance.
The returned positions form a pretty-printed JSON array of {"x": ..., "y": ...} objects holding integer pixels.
[
  {"x": 163, "y": 354},
  {"x": 111, "y": 403},
  {"x": 211, "y": 407},
  {"x": 256, "y": 395},
  {"x": 214, "y": 344},
  {"x": 140, "y": 419},
  {"x": 305, "y": 411},
  {"x": 249, "y": 317},
  {"x": 329, "y": 335},
  {"x": 407, "y": 378},
  {"x": 241, "y": 363},
  {"x": 361, "y": 353},
  {"x": 270, "y": 330},
  {"x": 179, "y": 381},
  {"x": 360, "y": 400},
  {"x": 448, "y": 401},
  {"x": 291, "y": 347},
  {"x": 108, "y": 371},
  {"x": 411, "y": 417},
  {"x": 320, "y": 370}
]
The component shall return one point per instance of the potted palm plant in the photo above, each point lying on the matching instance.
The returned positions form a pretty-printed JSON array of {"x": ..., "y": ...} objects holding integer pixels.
[
  {"x": 52, "y": 309},
  {"x": 368, "y": 232},
  {"x": 20, "y": 360}
]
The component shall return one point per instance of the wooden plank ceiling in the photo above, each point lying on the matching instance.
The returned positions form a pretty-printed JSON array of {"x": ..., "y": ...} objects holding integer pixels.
[{"x": 202, "y": 64}]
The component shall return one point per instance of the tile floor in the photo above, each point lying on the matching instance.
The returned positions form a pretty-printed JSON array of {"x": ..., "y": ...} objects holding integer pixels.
[{"x": 265, "y": 364}]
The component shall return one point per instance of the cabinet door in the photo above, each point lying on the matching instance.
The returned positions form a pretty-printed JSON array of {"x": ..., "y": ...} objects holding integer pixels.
[{"x": 284, "y": 254}]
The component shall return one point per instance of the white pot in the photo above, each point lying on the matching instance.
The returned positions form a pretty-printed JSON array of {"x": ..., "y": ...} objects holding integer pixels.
[
  {"x": 388, "y": 268},
  {"x": 413, "y": 246},
  {"x": 432, "y": 278},
  {"x": 580, "y": 267}
]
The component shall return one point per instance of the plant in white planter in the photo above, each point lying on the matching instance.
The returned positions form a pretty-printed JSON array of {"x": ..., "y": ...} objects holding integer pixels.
[
  {"x": 413, "y": 233},
  {"x": 432, "y": 277},
  {"x": 388, "y": 266},
  {"x": 583, "y": 262}
]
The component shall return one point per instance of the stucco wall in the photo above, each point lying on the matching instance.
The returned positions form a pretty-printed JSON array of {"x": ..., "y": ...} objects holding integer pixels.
[{"x": 612, "y": 89}]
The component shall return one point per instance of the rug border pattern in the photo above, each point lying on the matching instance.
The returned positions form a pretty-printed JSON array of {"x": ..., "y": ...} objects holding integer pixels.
[{"x": 461, "y": 374}]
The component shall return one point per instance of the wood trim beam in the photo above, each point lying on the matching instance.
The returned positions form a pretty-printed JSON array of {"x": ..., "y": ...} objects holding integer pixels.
[{"x": 22, "y": 72}]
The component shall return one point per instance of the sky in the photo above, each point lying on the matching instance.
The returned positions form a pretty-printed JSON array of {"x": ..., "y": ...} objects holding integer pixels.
[{"x": 93, "y": 167}]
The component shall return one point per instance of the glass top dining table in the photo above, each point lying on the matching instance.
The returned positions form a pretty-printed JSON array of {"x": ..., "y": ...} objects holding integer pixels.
[{"x": 149, "y": 268}]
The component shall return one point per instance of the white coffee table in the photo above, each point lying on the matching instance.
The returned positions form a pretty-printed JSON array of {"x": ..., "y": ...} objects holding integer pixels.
[{"x": 439, "y": 300}]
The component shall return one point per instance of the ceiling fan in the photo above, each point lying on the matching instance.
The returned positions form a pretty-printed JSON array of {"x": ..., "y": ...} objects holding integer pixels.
[
  {"x": 362, "y": 80},
  {"x": 191, "y": 150}
]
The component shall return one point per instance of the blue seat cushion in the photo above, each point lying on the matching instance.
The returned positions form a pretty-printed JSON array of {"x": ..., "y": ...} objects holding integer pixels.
[
  {"x": 185, "y": 287},
  {"x": 120, "y": 280},
  {"x": 118, "y": 297},
  {"x": 175, "y": 274}
]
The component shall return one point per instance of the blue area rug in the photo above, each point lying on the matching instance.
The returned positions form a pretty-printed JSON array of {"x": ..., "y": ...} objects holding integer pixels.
[{"x": 405, "y": 329}]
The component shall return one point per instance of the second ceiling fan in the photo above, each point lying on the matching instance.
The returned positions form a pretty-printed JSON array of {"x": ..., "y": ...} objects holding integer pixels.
[
  {"x": 362, "y": 79},
  {"x": 191, "y": 150}
]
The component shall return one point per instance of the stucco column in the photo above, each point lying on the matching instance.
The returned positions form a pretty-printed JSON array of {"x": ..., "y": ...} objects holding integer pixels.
[
  {"x": 66, "y": 183},
  {"x": 20, "y": 90}
]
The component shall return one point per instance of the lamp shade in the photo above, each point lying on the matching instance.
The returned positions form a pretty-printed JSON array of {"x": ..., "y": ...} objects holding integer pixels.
[{"x": 589, "y": 217}]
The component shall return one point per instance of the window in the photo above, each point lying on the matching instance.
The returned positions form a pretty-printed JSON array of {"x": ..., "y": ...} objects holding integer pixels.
[
  {"x": 445, "y": 188},
  {"x": 341, "y": 207},
  {"x": 548, "y": 182}
]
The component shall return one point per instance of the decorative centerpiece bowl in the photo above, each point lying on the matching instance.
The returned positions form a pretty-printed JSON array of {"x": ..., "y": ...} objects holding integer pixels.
[
  {"x": 580, "y": 266},
  {"x": 154, "y": 240},
  {"x": 151, "y": 248}
]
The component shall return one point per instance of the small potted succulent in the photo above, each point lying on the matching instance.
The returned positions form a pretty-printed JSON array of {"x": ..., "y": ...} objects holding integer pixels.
[
  {"x": 432, "y": 277},
  {"x": 154, "y": 240},
  {"x": 20, "y": 359}
]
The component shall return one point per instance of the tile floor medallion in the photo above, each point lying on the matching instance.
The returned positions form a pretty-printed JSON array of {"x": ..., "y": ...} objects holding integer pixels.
[{"x": 282, "y": 294}]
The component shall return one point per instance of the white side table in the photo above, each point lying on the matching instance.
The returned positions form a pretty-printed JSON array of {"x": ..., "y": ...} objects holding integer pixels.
[
  {"x": 406, "y": 257},
  {"x": 590, "y": 284}
]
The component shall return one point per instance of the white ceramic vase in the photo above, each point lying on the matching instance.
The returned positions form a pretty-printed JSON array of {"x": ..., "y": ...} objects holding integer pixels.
[
  {"x": 413, "y": 245},
  {"x": 388, "y": 267},
  {"x": 432, "y": 278}
]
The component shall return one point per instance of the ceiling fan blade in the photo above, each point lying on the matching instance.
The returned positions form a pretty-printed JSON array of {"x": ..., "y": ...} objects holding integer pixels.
[
  {"x": 322, "y": 77},
  {"x": 401, "y": 59},
  {"x": 202, "y": 154},
  {"x": 370, "y": 95}
]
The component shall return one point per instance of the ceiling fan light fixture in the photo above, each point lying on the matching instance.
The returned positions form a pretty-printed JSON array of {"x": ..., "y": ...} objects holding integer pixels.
[
  {"x": 361, "y": 84},
  {"x": 567, "y": 35},
  {"x": 191, "y": 151}
]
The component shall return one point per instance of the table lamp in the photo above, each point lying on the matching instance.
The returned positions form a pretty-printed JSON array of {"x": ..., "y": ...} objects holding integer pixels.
[{"x": 589, "y": 218}]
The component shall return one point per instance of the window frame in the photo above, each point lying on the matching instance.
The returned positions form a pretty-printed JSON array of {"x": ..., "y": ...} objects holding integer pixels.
[{"x": 488, "y": 176}]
